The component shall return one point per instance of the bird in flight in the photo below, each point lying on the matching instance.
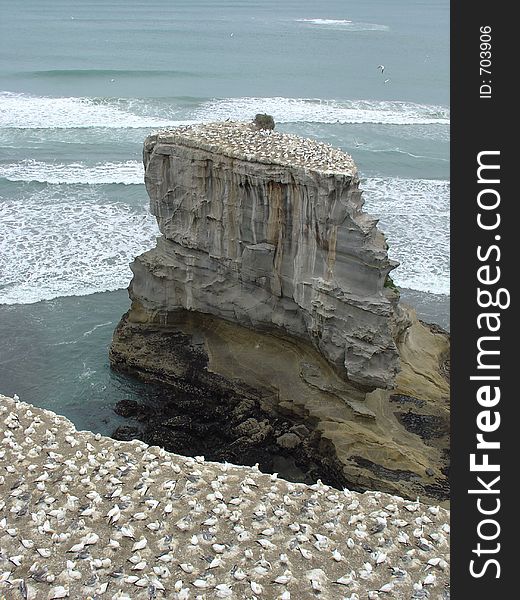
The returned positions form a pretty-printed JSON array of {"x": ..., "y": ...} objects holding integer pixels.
[{"x": 382, "y": 67}]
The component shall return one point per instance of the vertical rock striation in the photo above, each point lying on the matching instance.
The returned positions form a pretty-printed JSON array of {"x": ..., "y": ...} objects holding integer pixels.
[{"x": 266, "y": 230}]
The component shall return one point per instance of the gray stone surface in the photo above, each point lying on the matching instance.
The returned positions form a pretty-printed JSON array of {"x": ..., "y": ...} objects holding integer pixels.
[
  {"x": 267, "y": 230},
  {"x": 300, "y": 430}
]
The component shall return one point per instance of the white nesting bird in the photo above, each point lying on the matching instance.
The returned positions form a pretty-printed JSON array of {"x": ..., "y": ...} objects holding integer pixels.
[
  {"x": 346, "y": 579},
  {"x": 223, "y": 590},
  {"x": 256, "y": 588},
  {"x": 59, "y": 591},
  {"x": 187, "y": 567},
  {"x": 284, "y": 578},
  {"x": 318, "y": 579},
  {"x": 238, "y": 574}
]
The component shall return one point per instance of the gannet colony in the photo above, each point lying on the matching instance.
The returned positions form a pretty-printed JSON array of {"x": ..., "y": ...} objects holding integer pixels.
[
  {"x": 84, "y": 516},
  {"x": 245, "y": 141}
]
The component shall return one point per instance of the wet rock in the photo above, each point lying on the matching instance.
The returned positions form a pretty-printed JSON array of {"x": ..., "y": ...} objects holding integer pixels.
[
  {"x": 425, "y": 426},
  {"x": 128, "y": 408},
  {"x": 126, "y": 433},
  {"x": 243, "y": 408},
  {"x": 403, "y": 399},
  {"x": 391, "y": 474},
  {"x": 288, "y": 440},
  {"x": 178, "y": 421},
  {"x": 255, "y": 431},
  {"x": 180, "y": 442}
]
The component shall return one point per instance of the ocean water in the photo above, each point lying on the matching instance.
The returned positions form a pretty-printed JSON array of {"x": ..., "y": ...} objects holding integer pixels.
[{"x": 83, "y": 82}]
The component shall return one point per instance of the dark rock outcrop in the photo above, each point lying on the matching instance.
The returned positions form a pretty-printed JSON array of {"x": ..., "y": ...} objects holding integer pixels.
[{"x": 263, "y": 121}]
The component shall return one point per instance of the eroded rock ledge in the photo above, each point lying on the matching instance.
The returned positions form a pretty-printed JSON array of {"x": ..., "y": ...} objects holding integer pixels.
[
  {"x": 267, "y": 291},
  {"x": 224, "y": 377}
]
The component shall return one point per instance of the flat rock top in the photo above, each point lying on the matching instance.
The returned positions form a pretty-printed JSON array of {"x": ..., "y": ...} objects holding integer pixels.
[
  {"x": 245, "y": 141},
  {"x": 84, "y": 516}
]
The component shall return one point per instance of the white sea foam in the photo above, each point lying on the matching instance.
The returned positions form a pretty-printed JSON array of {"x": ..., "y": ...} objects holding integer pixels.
[
  {"x": 90, "y": 331},
  {"x": 414, "y": 215},
  {"x": 344, "y": 24},
  {"x": 32, "y": 112},
  {"x": 325, "y": 21},
  {"x": 72, "y": 245},
  {"x": 80, "y": 243},
  {"x": 128, "y": 172},
  {"x": 307, "y": 110}
]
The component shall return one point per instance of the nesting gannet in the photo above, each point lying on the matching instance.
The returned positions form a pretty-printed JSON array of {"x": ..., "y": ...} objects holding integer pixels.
[{"x": 268, "y": 531}]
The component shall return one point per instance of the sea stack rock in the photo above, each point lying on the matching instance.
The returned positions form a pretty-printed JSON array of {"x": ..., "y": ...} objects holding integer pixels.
[
  {"x": 266, "y": 301},
  {"x": 266, "y": 230}
]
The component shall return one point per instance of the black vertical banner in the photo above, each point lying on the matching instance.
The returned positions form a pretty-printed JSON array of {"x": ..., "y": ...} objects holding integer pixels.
[{"x": 483, "y": 323}]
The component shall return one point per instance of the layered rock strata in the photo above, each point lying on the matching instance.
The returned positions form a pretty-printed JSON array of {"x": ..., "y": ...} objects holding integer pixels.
[
  {"x": 266, "y": 230},
  {"x": 242, "y": 390},
  {"x": 84, "y": 516},
  {"x": 264, "y": 302}
]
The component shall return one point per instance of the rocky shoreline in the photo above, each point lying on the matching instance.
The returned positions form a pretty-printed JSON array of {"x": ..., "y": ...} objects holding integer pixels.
[
  {"x": 235, "y": 430},
  {"x": 235, "y": 394},
  {"x": 84, "y": 516},
  {"x": 267, "y": 305}
]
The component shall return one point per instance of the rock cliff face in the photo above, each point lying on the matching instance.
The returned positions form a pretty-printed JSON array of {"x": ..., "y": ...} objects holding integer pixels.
[
  {"x": 264, "y": 310},
  {"x": 266, "y": 230}
]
